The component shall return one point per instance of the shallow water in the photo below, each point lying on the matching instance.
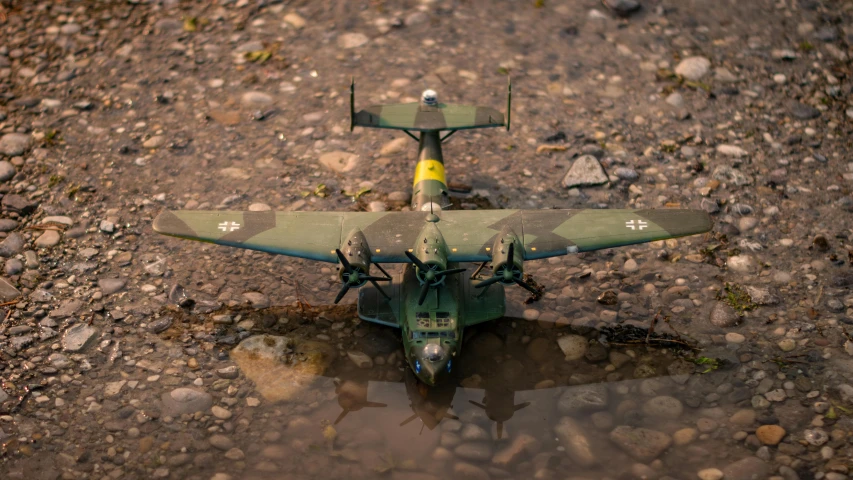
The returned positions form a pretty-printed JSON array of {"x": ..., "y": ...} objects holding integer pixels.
[{"x": 556, "y": 418}]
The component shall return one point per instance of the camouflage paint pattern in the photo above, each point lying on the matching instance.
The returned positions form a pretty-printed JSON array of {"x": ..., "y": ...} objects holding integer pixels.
[
  {"x": 469, "y": 234},
  {"x": 418, "y": 117}
]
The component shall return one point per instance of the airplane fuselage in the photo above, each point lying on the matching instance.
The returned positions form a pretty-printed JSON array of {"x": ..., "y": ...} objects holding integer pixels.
[{"x": 431, "y": 320}]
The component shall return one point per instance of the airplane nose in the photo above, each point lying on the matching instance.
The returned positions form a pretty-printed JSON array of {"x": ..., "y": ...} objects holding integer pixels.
[{"x": 432, "y": 359}]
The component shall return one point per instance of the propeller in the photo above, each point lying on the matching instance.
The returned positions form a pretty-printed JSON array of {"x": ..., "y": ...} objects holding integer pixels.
[
  {"x": 430, "y": 276},
  {"x": 508, "y": 273},
  {"x": 354, "y": 277}
]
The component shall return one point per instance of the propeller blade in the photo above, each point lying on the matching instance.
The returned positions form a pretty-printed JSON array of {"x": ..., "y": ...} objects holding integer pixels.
[
  {"x": 488, "y": 281},
  {"x": 343, "y": 259},
  {"x": 528, "y": 287},
  {"x": 406, "y": 421},
  {"x": 343, "y": 292},
  {"x": 416, "y": 261},
  {"x": 424, "y": 291},
  {"x": 472, "y": 402},
  {"x": 509, "y": 253},
  {"x": 387, "y": 297},
  {"x": 451, "y": 271},
  {"x": 500, "y": 426},
  {"x": 341, "y": 416}
]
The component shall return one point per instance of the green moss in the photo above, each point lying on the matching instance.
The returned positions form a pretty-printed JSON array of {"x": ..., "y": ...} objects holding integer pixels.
[{"x": 737, "y": 297}]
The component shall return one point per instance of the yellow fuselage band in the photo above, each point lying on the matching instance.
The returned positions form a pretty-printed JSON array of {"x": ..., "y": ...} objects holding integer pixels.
[{"x": 429, "y": 170}]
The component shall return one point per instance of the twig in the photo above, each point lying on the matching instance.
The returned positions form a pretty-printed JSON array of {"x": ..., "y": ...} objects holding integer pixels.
[
  {"x": 13, "y": 302},
  {"x": 819, "y": 294}
]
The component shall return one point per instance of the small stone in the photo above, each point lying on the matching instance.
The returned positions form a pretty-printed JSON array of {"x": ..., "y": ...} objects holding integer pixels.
[
  {"x": 724, "y": 316},
  {"x": 469, "y": 472},
  {"x": 574, "y": 440},
  {"x": 14, "y": 144},
  {"x": 352, "y": 40},
  {"x": 743, "y": 417},
  {"x": 259, "y": 207},
  {"x": 512, "y": 454},
  {"x": 220, "y": 413},
  {"x": 475, "y": 451},
  {"x": 183, "y": 400},
  {"x": 583, "y": 399},
  {"x": 685, "y": 436},
  {"x": 741, "y": 263},
  {"x": 107, "y": 226},
  {"x": 11, "y": 245},
  {"x": 47, "y": 239},
  {"x": 622, "y": 8},
  {"x": 770, "y": 434},
  {"x": 110, "y": 286},
  {"x": 787, "y": 344},
  {"x": 586, "y": 171},
  {"x": 8, "y": 292},
  {"x": 7, "y": 171},
  {"x": 630, "y": 266},
  {"x": 377, "y": 206},
  {"x": 710, "y": 474},
  {"x": 693, "y": 68},
  {"x": 802, "y": 111},
  {"x": 17, "y": 204},
  {"x": 221, "y": 442},
  {"x": 749, "y": 468},
  {"x": 816, "y": 437},
  {"x": 78, "y": 337},
  {"x": 663, "y": 407},
  {"x": 339, "y": 161},
  {"x": 256, "y": 99},
  {"x": 362, "y": 360},
  {"x": 573, "y": 346},
  {"x": 295, "y": 20},
  {"x": 736, "y": 338},
  {"x": 257, "y": 299},
  {"x": 154, "y": 142},
  {"x": 643, "y": 444},
  {"x": 394, "y": 147},
  {"x": 731, "y": 151},
  {"x": 675, "y": 99}
]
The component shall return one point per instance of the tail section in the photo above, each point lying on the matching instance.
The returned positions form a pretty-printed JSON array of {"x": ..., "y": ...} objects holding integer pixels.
[{"x": 428, "y": 115}]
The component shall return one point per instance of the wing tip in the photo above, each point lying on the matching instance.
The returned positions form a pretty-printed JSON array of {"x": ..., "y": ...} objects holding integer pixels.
[{"x": 167, "y": 223}]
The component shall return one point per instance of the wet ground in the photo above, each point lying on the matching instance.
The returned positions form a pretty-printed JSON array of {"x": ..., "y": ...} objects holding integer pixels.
[{"x": 124, "y": 354}]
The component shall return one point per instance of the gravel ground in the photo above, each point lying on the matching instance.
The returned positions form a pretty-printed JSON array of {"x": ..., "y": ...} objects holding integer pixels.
[{"x": 119, "y": 353}]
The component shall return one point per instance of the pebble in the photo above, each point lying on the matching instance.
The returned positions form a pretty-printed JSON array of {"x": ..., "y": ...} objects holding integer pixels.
[
  {"x": 663, "y": 407},
  {"x": 221, "y": 442},
  {"x": 586, "y": 171},
  {"x": 184, "y": 400},
  {"x": 685, "y": 436},
  {"x": 630, "y": 266},
  {"x": 816, "y": 437},
  {"x": 474, "y": 451},
  {"x": 11, "y": 245},
  {"x": 731, "y": 151},
  {"x": 643, "y": 444},
  {"x": 220, "y": 413},
  {"x": 736, "y": 338},
  {"x": 749, "y": 468},
  {"x": 710, "y": 474},
  {"x": 256, "y": 99},
  {"x": 352, "y": 40},
  {"x": 693, "y": 68},
  {"x": 741, "y": 263},
  {"x": 295, "y": 20},
  {"x": 360, "y": 359},
  {"x": 14, "y": 144},
  {"x": 573, "y": 346},
  {"x": 675, "y": 99},
  {"x": 787, "y": 344},
  {"x": 574, "y": 440},
  {"x": 256, "y": 299},
  {"x": 110, "y": 286},
  {"x": 724, "y": 316},
  {"x": 770, "y": 434},
  {"x": 802, "y": 111},
  {"x": 583, "y": 398},
  {"x": 7, "y": 171},
  {"x": 78, "y": 337},
  {"x": 47, "y": 239},
  {"x": 339, "y": 161}
]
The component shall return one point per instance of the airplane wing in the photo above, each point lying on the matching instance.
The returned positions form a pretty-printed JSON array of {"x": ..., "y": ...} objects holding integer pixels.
[{"x": 469, "y": 234}]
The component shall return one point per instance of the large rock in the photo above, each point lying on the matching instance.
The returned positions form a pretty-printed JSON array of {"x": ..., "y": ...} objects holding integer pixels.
[
  {"x": 181, "y": 401},
  {"x": 585, "y": 172},
  {"x": 693, "y": 68},
  {"x": 339, "y": 161},
  {"x": 574, "y": 440},
  {"x": 14, "y": 144},
  {"x": 78, "y": 337},
  {"x": 643, "y": 444},
  {"x": 749, "y": 468},
  {"x": 281, "y": 367},
  {"x": 583, "y": 399}
]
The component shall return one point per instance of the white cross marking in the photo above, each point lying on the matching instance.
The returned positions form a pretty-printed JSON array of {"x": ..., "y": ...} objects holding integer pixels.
[
  {"x": 229, "y": 226},
  {"x": 640, "y": 224}
]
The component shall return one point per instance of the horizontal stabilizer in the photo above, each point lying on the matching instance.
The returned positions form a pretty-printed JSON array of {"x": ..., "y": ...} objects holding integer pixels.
[{"x": 417, "y": 117}]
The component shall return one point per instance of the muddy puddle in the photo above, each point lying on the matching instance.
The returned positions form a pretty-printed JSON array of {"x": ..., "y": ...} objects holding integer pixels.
[{"x": 316, "y": 394}]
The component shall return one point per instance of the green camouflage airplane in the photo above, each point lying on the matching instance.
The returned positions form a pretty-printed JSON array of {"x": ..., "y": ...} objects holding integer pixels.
[{"x": 430, "y": 301}]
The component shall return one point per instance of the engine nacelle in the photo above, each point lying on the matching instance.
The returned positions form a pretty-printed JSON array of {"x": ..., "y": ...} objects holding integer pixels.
[
  {"x": 357, "y": 253},
  {"x": 431, "y": 250},
  {"x": 509, "y": 270}
]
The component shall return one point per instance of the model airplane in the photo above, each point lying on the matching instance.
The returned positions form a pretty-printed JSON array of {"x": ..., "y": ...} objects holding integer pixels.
[{"x": 430, "y": 301}]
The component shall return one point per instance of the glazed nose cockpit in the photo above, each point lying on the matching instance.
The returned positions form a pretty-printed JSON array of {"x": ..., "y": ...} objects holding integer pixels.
[{"x": 431, "y": 360}]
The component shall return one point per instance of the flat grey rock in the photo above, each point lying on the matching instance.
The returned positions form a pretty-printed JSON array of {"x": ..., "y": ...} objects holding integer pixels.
[
  {"x": 110, "y": 286},
  {"x": 8, "y": 292},
  {"x": 14, "y": 144},
  {"x": 585, "y": 172},
  {"x": 78, "y": 337},
  {"x": 182, "y": 401}
]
